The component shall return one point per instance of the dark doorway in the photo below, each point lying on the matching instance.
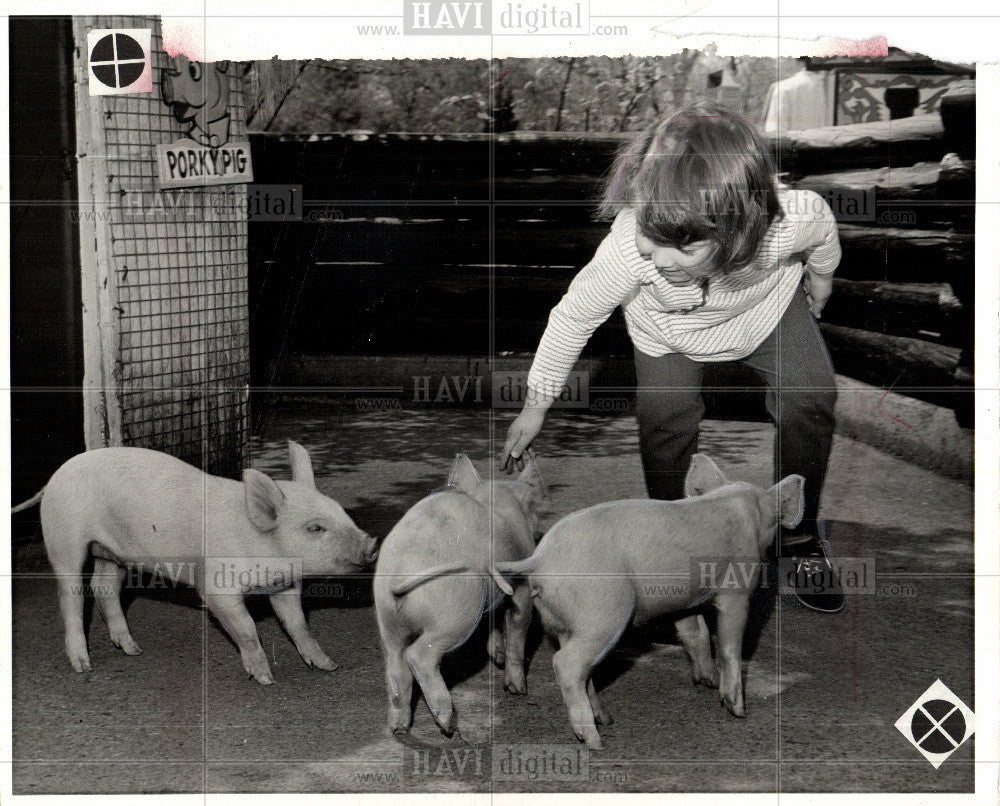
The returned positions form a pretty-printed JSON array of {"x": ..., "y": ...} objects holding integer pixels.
[{"x": 45, "y": 302}]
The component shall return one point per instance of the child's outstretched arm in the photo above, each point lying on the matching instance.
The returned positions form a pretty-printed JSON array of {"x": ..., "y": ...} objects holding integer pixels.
[{"x": 595, "y": 292}]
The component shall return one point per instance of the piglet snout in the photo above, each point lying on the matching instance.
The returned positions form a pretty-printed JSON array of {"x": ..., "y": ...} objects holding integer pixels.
[{"x": 371, "y": 552}]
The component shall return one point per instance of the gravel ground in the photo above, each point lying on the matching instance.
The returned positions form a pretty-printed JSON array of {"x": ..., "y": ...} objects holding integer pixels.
[{"x": 822, "y": 691}]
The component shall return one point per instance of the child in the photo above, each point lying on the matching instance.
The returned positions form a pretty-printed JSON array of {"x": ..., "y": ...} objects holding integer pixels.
[{"x": 710, "y": 261}]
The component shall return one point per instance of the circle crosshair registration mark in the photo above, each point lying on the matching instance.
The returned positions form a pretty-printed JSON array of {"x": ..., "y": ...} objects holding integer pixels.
[
  {"x": 938, "y": 726},
  {"x": 117, "y": 60}
]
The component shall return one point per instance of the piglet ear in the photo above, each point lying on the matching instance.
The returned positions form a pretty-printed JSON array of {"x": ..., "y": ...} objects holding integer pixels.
[
  {"x": 703, "y": 476},
  {"x": 529, "y": 488},
  {"x": 263, "y": 499},
  {"x": 463, "y": 474},
  {"x": 302, "y": 470},
  {"x": 789, "y": 500}
]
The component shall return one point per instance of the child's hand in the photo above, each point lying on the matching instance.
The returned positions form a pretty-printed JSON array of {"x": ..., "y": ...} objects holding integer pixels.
[
  {"x": 520, "y": 435},
  {"x": 818, "y": 288}
]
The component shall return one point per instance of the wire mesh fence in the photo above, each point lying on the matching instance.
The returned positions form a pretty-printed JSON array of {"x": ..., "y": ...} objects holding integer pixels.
[{"x": 177, "y": 283}]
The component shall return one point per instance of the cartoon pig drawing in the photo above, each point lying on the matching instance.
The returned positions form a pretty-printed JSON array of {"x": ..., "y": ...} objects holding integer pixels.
[{"x": 198, "y": 95}]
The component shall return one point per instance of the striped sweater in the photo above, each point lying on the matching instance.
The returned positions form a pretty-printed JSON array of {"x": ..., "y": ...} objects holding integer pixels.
[{"x": 741, "y": 309}]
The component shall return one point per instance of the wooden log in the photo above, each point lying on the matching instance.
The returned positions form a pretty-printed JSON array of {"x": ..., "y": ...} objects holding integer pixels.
[
  {"x": 938, "y": 296},
  {"x": 564, "y": 164},
  {"x": 914, "y": 181},
  {"x": 437, "y": 242},
  {"x": 558, "y": 155},
  {"x": 926, "y": 195},
  {"x": 907, "y": 365},
  {"x": 928, "y": 311},
  {"x": 899, "y": 142},
  {"x": 539, "y": 249},
  {"x": 906, "y": 255},
  {"x": 859, "y": 145}
]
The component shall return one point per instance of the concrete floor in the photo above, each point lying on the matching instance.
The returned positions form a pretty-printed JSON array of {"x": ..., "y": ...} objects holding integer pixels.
[{"x": 822, "y": 691}]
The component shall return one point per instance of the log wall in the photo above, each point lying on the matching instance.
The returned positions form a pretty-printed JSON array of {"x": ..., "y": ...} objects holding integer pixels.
[{"x": 460, "y": 245}]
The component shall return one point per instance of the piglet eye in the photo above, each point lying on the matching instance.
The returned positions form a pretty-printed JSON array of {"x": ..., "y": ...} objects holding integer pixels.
[{"x": 315, "y": 528}]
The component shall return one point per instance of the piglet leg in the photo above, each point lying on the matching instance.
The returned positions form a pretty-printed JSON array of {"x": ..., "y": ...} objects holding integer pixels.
[
  {"x": 106, "y": 582},
  {"x": 517, "y": 619},
  {"x": 693, "y": 632},
  {"x": 230, "y": 610},
  {"x": 732, "y": 617},
  {"x": 288, "y": 606}
]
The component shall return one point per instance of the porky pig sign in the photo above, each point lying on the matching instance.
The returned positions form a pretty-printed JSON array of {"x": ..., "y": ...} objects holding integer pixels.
[{"x": 198, "y": 96}]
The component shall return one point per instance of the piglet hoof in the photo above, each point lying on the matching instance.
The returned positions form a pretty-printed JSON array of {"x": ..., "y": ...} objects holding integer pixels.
[
  {"x": 261, "y": 675},
  {"x": 594, "y": 743},
  {"x": 399, "y": 721},
  {"x": 604, "y": 718},
  {"x": 256, "y": 665},
  {"x": 515, "y": 684},
  {"x": 81, "y": 664},
  {"x": 495, "y": 648},
  {"x": 452, "y": 727},
  {"x": 127, "y": 645},
  {"x": 321, "y": 661},
  {"x": 736, "y": 709},
  {"x": 708, "y": 681}
]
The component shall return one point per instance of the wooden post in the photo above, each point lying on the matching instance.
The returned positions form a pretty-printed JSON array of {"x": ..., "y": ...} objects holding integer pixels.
[{"x": 102, "y": 421}]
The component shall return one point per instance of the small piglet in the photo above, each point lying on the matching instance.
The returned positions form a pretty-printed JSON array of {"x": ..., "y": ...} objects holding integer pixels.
[
  {"x": 598, "y": 569},
  {"x": 433, "y": 584},
  {"x": 132, "y": 506}
]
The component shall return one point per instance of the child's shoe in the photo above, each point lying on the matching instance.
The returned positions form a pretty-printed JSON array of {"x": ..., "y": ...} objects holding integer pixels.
[{"x": 807, "y": 570}]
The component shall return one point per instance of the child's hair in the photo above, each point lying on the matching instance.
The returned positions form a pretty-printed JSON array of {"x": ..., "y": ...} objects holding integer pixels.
[{"x": 701, "y": 174}]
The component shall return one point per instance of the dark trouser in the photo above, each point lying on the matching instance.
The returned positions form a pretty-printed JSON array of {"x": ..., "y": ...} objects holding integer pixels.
[{"x": 794, "y": 364}]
